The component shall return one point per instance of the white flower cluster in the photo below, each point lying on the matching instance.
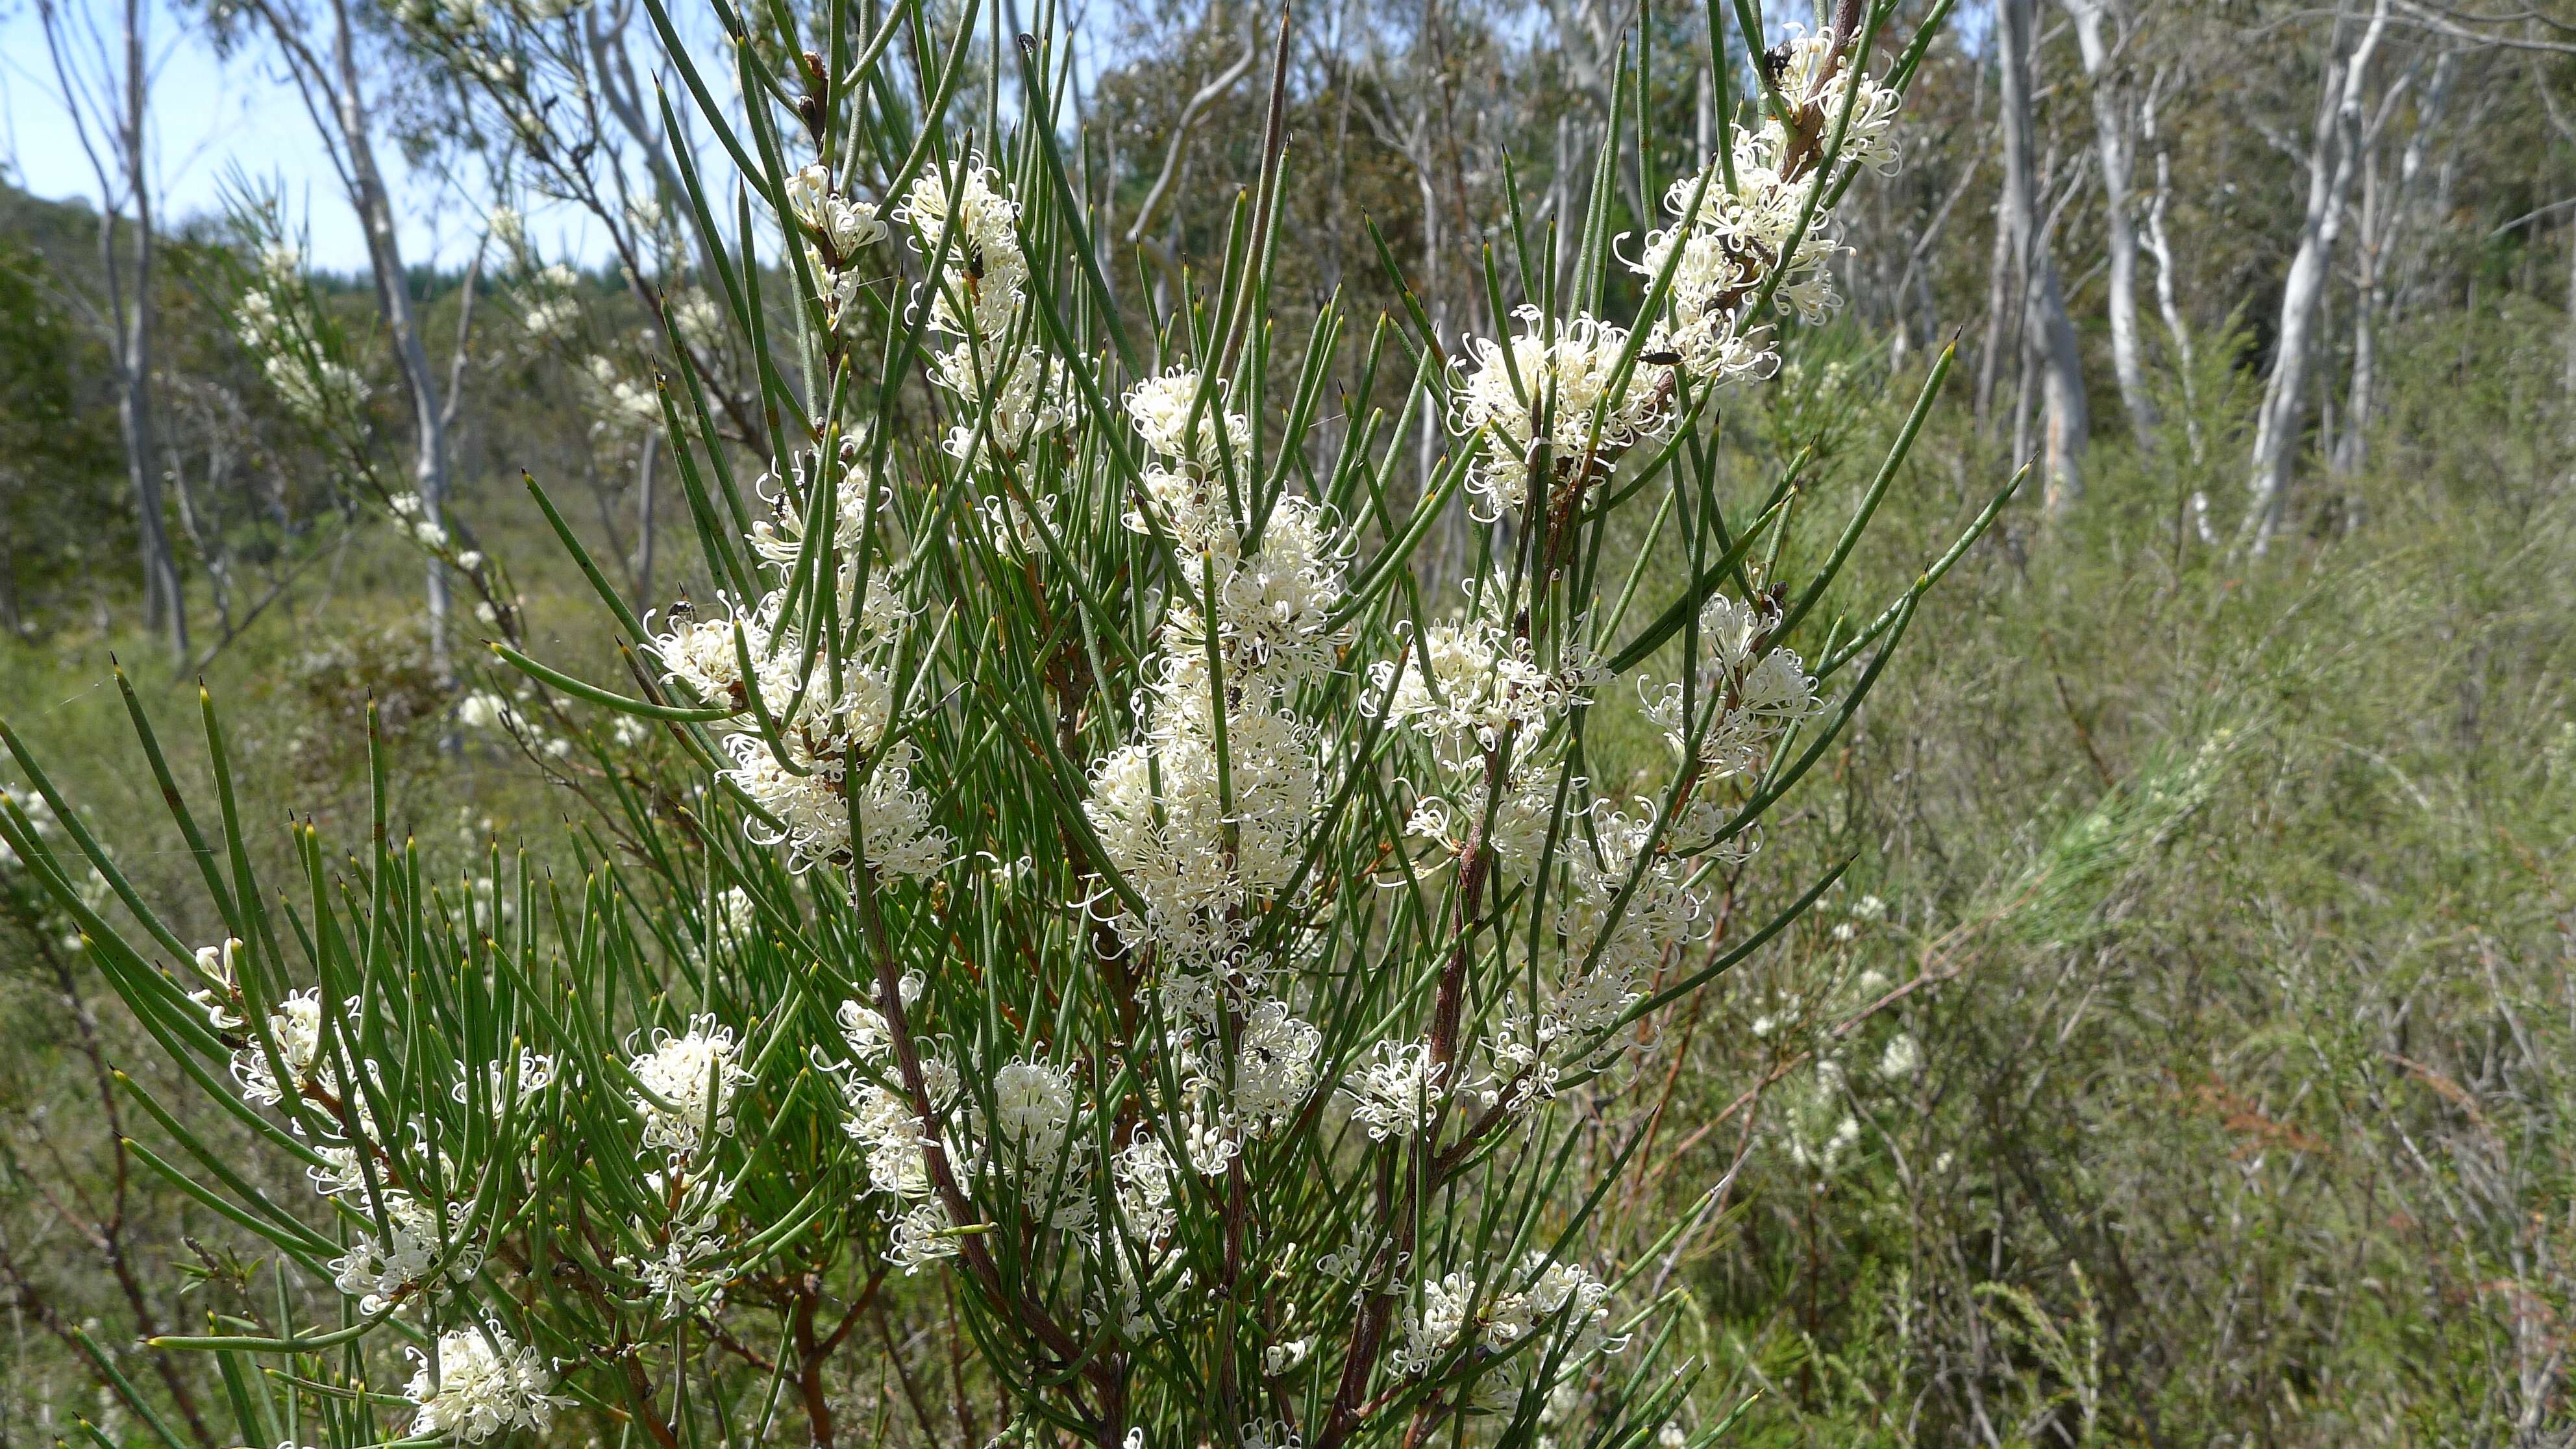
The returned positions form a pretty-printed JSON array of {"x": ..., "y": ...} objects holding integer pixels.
[
  {"x": 1758, "y": 689},
  {"x": 1456, "y": 1311},
  {"x": 1818, "y": 1121},
  {"x": 1817, "y": 1124},
  {"x": 1569, "y": 376},
  {"x": 1011, "y": 388},
  {"x": 1205, "y": 854},
  {"x": 684, "y": 1086},
  {"x": 1602, "y": 854},
  {"x": 686, "y": 1273},
  {"x": 1557, "y": 393},
  {"x": 550, "y": 311},
  {"x": 419, "y": 520},
  {"x": 1470, "y": 684},
  {"x": 402, "y": 1239},
  {"x": 375, "y": 1270},
  {"x": 1502, "y": 790},
  {"x": 815, "y": 760},
  {"x": 1869, "y": 137},
  {"x": 1865, "y": 912},
  {"x": 1740, "y": 236},
  {"x": 1026, "y": 1151},
  {"x": 1247, "y": 627},
  {"x": 696, "y": 316},
  {"x": 474, "y": 34},
  {"x": 482, "y": 709},
  {"x": 620, "y": 403},
  {"x": 270, "y": 319},
  {"x": 838, "y": 232},
  {"x": 1397, "y": 1092},
  {"x": 478, "y": 1381}
]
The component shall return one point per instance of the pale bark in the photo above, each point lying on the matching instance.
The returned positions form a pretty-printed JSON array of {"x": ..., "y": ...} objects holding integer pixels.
[
  {"x": 333, "y": 93},
  {"x": 2156, "y": 242},
  {"x": 330, "y": 86},
  {"x": 2048, "y": 334},
  {"x": 2333, "y": 161},
  {"x": 2158, "y": 245},
  {"x": 2391, "y": 216},
  {"x": 2100, "y": 37},
  {"x": 374, "y": 203},
  {"x": 109, "y": 107},
  {"x": 1184, "y": 129},
  {"x": 1999, "y": 276}
]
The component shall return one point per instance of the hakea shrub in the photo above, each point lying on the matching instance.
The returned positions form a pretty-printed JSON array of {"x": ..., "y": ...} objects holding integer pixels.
[{"x": 1075, "y": 855}]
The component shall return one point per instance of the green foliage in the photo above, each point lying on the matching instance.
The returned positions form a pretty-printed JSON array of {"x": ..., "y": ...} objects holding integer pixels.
[{"x": 58, "y": 456}]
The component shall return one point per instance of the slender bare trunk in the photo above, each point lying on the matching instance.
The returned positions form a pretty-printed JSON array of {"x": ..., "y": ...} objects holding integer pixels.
[
  {"x": 118, "y": 96},
  {"x": 374, "y": 205},
  {"x": 2045, "y": 326},
  {"x": 165, "y": 604},
  {"x": 2099, "y": 38},
  {"x": 1999, "y": 275},
  {"x": 2333, "y": 160},
  {"x": 2158, "y": 246},
  {"x": 2389, "y": 222},
  {"x": 2352, "y": 442},
  {"x": 134, "y": 399}
]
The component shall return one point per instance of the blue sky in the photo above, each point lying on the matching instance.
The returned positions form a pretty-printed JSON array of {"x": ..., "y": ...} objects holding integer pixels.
[
  {"x": 208, "y": 117},
  {"x": 212, "y": 117}
]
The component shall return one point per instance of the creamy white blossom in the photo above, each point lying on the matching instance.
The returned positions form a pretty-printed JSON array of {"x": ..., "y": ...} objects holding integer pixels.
[
  {"x": 921, "y": 1236},
  {"x": 621, "y": 403},
  {"x": 479, "y": 1381},
  {"x": 686, "y": 1083},
  {"x": 1560, "y": 384},
  {"x": 998, "y": 362},
  {"x": 839, "y": 232},
  {"x": 295, "y": 1030},
  {"x": 1902, "y": 1059},
  {"x": 1740, "y": 236},
  {"x": 1749, "y": 693},
  {"x": 1032, "y": 1112},
  {"x": 381, "y": 1266},
  {"x": 1398, "y": 1092},
  {"x": 1469, "y": 684}
]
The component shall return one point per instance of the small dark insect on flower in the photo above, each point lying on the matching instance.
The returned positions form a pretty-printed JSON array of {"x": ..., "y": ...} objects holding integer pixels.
[
  {"x": 1774, "y": 61},
  {"x": 1661, "y": 358}
]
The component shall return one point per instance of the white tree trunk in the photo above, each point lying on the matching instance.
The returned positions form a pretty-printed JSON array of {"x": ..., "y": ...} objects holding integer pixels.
[
  {"x": 2333, "y": 159},
  {"x": 166, "y": 601},
  {"x": 2047, "y": 332},
  {"x": 2099, "y": 34},
  {"x": 1999, "y": 277},
  {"x": 374, "y": 205},
  {"x": 117, "y": 95}
]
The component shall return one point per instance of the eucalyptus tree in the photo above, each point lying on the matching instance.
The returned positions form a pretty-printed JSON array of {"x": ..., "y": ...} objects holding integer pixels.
[
  {"x": 2333, "y": 160},
  {"x": 328, "y": 50},
  {"x": 103, "y": 79},
  {"x": 2051, "y": 363},
  {"x": 2107, "y": 38}
]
